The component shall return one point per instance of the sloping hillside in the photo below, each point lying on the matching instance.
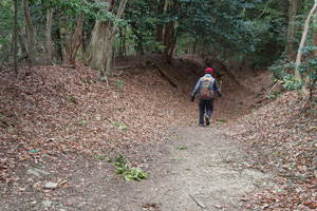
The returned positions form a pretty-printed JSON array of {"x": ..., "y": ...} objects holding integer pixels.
[
  {"x": 281, "y": 138},
  {"x": 53, "y": 110}
]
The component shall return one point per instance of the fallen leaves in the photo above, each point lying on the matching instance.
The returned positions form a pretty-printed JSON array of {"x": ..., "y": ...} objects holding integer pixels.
[
  {"x": 311, "y": 204},
  {"x": 51, "y": 110},
  {"x": 280, "y": 138}
]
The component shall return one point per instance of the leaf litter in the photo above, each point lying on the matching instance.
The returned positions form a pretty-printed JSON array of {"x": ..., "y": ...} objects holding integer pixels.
[
  {"x": 51, "y": 110},
  {"x": 280, "y": 138},
  {"x": 56, "y": 111}
]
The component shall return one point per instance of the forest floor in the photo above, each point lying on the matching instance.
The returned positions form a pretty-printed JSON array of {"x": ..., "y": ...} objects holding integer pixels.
[
  {"x": 194, "y": 169},
  {"x": 63, "y": 130}
]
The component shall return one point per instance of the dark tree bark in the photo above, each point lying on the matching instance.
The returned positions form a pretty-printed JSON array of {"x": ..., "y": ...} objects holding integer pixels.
[
  {"x": 169, "y": 39},
  {"x": 30, "y": 32},
  {"x": 291, "y": 30},
  {"x": 58, "y": 42},
  {"x": 15, "y": 37},
  {"x": 48, "y": 35},
  {"x": 122, "y": 51},
  {"x": 75, "y": 41},
  {"x": 160, "y": 27}
]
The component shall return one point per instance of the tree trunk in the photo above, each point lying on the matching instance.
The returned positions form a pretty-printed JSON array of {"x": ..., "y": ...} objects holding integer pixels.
[
  {"x": 121, "y": 47},
  {"x": 58, "y": 42},
  {"x": 291, "y": 30},
  {"x": 75, "y": 41},
  {"x": 30, "y": 32},
  {"x": 22, "y": 42},
  {"x": 101, "y": 46},
  {"x": 100, "y": 41},
  {"x": 15, "y": 37},
  {"x": 315, "y": 35},
  {"x": 160, "y": 27},
  {"x": 309, "y": 82},
  {"x": 48, "y": 35},
  {"x": 300, "y": 49},
  {"x": 169, "y": 31},
  {"x": 169, "y": 41}
]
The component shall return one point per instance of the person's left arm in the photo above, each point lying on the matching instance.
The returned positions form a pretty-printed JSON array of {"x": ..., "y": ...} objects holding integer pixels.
[
  {"x": 216, "y": 89},
  {"x": 195, "y": 90}
]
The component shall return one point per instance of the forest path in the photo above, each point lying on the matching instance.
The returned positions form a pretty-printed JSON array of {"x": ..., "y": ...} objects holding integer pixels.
[
  {"x": 196, "y": 169},
  {"x": 191, "y": 168}
]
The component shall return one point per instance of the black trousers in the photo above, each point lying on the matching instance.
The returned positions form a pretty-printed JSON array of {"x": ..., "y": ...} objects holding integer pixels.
[{"x": 206, "y": 107}]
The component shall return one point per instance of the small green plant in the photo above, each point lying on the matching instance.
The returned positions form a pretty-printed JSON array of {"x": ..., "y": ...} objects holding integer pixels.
[
  {"x": 120, "y": 126},
  {"x": 182, "y": 148},
  {"x": 221, "y": 121},
  {"x": 129, "y": 173},
  {"x": 273, "y": 95},
  {"x": 100, "y": 157},
  {"x": 72, "y": 99},
  {"x": 291, "y": 83},
  {"x": 82, "y": 123},
  {"x": 119, "y": 84},
  {"x": 34, "y": 151}
]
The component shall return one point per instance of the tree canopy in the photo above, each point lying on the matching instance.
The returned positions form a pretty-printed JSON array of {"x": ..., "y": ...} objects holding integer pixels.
[{"x": 258, "y": 33}]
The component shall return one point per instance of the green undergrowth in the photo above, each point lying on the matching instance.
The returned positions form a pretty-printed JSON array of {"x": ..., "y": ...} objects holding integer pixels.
[
  {"x": 120, "y": 126},
  {"x": 182, "y": 148},
  {"x": 129, "y": 173}
]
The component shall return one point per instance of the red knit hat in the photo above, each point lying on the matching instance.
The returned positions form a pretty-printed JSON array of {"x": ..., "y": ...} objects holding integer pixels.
[{"x": 209, "y": 70}]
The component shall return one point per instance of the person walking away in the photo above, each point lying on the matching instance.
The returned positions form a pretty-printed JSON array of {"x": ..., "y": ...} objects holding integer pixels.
[{"x": 206, "y": 89}]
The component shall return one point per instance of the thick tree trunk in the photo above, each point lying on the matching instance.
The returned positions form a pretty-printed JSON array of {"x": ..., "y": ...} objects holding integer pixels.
[
  {"x": 48, "y": 35},
  {"x": 30, "y": 32},
  {"x": 291, "y": 30},
  {"x": 100, "y": 42},
  {"x": 300, "y": 50},
  {"x": 101, "y": 46}
]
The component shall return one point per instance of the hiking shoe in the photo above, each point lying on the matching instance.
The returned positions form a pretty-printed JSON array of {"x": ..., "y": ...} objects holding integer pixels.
[{"x": 207, "y": 120}]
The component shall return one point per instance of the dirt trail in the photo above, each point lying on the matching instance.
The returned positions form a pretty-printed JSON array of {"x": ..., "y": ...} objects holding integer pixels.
[
  {"x": 196, "y": 173},
  {"x": 196, "y": 169}
]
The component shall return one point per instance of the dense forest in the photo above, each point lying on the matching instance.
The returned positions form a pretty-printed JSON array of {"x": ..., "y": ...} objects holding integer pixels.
[
  {"x": 256, "y": 34},
  {"x": 95, "y": 95}
]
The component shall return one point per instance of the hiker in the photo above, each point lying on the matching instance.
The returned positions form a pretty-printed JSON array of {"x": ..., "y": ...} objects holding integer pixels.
[{"x": 206, "y": 88}]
